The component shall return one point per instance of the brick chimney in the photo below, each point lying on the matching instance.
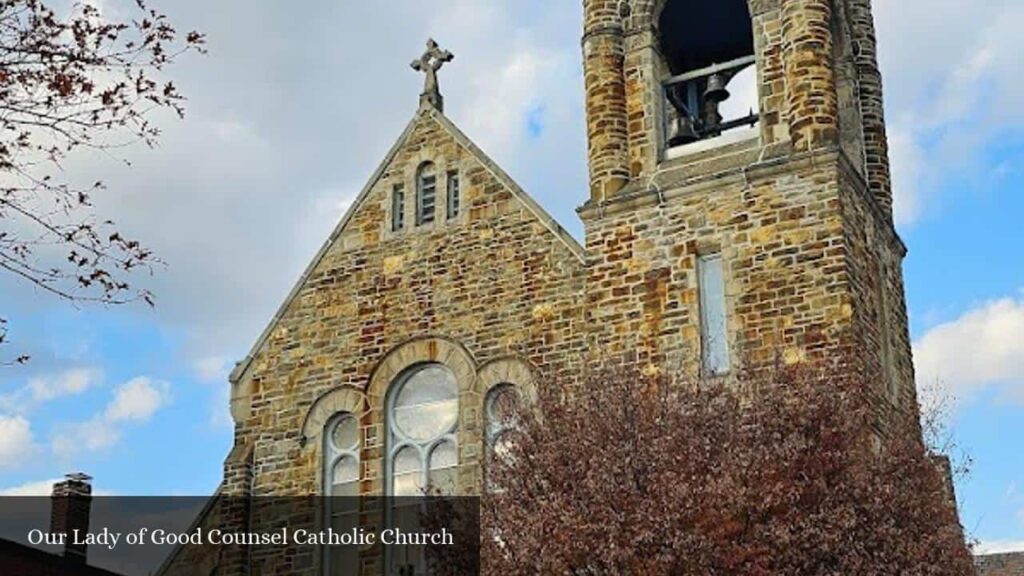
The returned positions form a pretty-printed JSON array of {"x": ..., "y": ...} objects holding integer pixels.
[{"x": 69, "y": 511}]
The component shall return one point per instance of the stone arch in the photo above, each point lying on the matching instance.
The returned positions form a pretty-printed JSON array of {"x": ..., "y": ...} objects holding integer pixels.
[
  {"x": 511, "y": 370},
  {"x": 418, "y": 351},
  {"x": 341, "y": 399},
  {"x": 649, "y": 11},
  {"x": 693, "y": 34}
]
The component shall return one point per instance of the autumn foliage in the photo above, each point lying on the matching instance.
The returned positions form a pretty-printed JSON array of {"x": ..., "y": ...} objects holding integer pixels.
[{"x": 779, "y": 473}]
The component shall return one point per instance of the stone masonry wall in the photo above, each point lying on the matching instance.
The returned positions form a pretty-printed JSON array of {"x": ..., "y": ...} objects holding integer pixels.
[
  {"x": 780, "y": 233},
  {"x": 875, "y": 263},
  {"x": 493, "y": 283}
]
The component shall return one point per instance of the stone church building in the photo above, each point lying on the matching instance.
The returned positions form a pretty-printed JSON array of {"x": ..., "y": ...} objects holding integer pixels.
[{"x": 711, "y": 243}]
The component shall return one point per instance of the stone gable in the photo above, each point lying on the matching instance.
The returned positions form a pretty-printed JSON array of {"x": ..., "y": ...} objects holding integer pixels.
[{"x": 500, "y": 279}]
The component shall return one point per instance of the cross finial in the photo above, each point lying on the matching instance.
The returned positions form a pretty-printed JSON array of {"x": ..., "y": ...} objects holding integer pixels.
[{"x": 432, "y": 61}]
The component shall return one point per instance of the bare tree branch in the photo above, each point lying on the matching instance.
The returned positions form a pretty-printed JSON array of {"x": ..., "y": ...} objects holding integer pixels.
[{"x": 78, "y": 80}]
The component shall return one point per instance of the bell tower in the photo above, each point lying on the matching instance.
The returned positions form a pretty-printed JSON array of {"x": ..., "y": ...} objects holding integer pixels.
[
  {"x": 740, "y": 199},
  {"x": 658, "y": 71}
]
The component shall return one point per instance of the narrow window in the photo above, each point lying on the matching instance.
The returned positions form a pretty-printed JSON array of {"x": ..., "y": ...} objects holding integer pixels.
[
  {"x": 453, "y": 194},
  {"x": 713, "y": 325},
  {"x": 500, "y": 412},
  {"x": 426, "y": 194},
  {"x": 341, "y": 486},
  {"x": 398, "y": 208}
]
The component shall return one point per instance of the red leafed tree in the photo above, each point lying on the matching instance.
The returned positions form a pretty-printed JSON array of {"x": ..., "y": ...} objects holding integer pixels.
[
  {"x": 776, "y": 473},
  {"x": 70, "y": 80}
]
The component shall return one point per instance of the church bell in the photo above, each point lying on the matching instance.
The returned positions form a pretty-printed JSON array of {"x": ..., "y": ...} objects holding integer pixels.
[
  {"x": 682, "y": 131},
  {"x": 717, "y": 92}
]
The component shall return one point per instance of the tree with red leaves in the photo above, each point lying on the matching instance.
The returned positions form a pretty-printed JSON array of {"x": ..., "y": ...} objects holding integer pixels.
[
  {"x": 75, "y": 81},
  {"x": 790, "y": 471}
]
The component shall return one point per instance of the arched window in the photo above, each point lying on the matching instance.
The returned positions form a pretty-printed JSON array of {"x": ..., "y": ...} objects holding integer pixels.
[
  {"x": 707, "y": 47},
  {"x": 426, "y": 193},
  {"x": 500, "y": 407},
  {"x": 422, "y": 451},
  {"x": 422, "y": 418},
  {"x": 341, "y": 486}
]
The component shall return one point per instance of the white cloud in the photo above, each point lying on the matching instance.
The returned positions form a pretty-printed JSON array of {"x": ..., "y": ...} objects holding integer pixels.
[
  {"x": 907, "y": 159},
  {"x": 220, "y": 409},
  {"x": 16, "y": 441},
  {"x": 90, "y": 436},
  {"x": 520, "y": 79},
  {"x": 47, "y": 388},
  {"x": 69, "y": 383},
  {"x": 36, "y": 488},
  {"x": 137, "y": 400},
  {"x": 42, "y": 488},
  {"x": 212, "y": 369},
  {"x": 953, "y": 81},
  {"x": 981, "y": 349},
  {"x": 999, "y": 547}
]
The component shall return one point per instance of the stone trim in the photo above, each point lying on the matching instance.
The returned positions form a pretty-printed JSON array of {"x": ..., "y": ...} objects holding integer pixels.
[
  {"x": 347, "y": 399},
  {"x": 608, "y": 30},
  {"x": 511, "y": 370},
  {"x": 1005, "y": 564},
  {"x": 418, "y": 351},
  {"x": 661, "y": 189}
]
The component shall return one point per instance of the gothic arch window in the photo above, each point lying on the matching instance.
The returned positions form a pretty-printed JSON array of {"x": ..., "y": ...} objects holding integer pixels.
[
  {"x": 500, "y": 407},
  {"x": 708, "y": 49},
  {"x": 422, "y": 419},
  {"x": 426, "y": 193},
  {"x": 499, "y": 411},
  {"x": 341, "y": 486}
]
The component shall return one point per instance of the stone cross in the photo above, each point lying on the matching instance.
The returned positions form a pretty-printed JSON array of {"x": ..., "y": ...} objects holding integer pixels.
[{"x": 432, "y": 61}]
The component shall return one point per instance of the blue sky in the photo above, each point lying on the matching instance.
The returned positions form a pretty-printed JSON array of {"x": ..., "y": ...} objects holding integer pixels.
[{"x": 285, "y": 127}]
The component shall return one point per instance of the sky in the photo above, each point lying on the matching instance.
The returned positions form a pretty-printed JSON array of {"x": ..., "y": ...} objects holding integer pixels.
[{"x": 291, "y": 111}]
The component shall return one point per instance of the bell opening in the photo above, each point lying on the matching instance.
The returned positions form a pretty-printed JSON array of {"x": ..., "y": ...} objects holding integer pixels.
[
  {"x": 695, "y": 34},
  {"x": 709, "y": 51}
]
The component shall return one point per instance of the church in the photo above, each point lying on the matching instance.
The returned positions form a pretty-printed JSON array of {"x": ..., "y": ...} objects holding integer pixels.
[{"x": 713, "y": 242}]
